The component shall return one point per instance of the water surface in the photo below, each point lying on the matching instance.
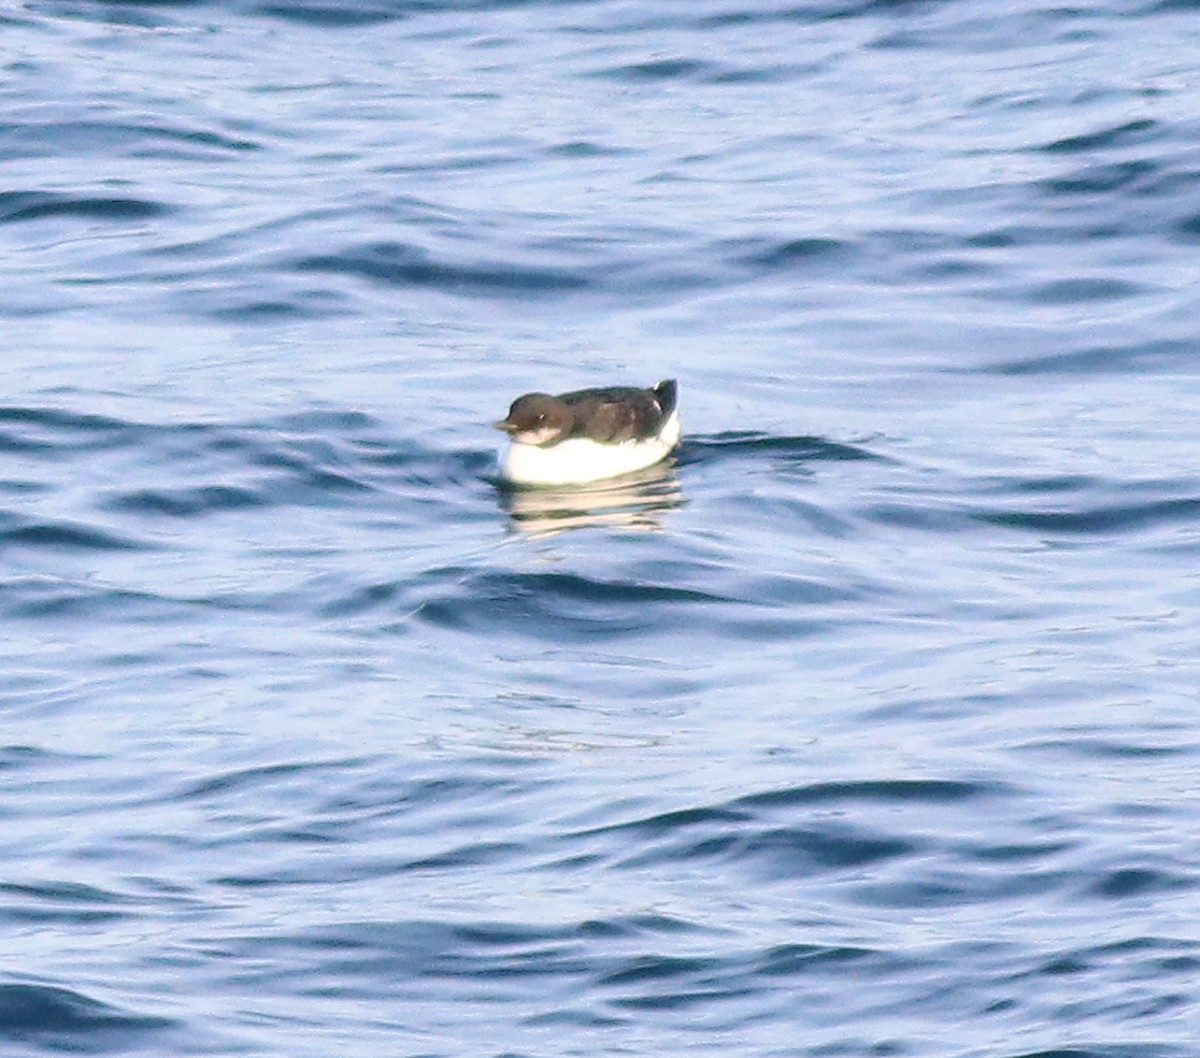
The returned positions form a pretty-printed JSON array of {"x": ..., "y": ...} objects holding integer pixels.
[{"x": 867, "y": 726}]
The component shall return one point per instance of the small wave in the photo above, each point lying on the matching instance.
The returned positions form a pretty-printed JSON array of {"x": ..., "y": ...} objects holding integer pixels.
[
  {"x": 733, "y": 444},
  {"x": 895, "y": 791},
  {"x": 1122, "y": 883},
  {"x": 68, "y": 537},
  {"x": 53, "y": 430},
  {"x": 404, "y": 265},
  {"x": 1102, "y": 359},
  {"x": 1140, "y": 130},
  {"x": 58, "y": 598},
  {"x": 18, "y": 206},
  {"x": 68, "y": 904},
  {"x": 1101, "y": 179},
  {"x": 791, "y": 255},
  {"x": 116, "y": 138},
  {"x": 558, "y": 605},
  {"x": 1080, "y": 290},
  {"x": 332, "y": 16},
  {"x": 613, "y": 964},
  {"x": 66, "y": 1020},
  {"x": 659, "y": 70},
  {"x": 1114, "y": 518},
  {"x": 749, "y": 833},
  {"x": 186, "y": 503}
]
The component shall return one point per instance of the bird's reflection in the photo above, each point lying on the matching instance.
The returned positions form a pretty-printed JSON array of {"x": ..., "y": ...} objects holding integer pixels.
[{"x": 633, "y": 501}]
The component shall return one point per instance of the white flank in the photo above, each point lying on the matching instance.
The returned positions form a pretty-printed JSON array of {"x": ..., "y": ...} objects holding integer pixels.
[{"x": 578, "y": 460}]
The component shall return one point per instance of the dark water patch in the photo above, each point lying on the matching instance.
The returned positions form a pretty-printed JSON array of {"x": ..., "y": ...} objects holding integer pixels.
[
  {"x": 1172, "y": 179},
  {"x": 658, "y": 968},
  {"x": 377, "y": 798},
  {"x": 325, "y": 14},
  {"x": 921, "y": 515},
  {"x": 325, "y": 420},
  {"x": 897, "y": 792},
  {"x": 366, "y": 599},
  {"x": 18, "y": 206},
  {"x": 292, "y": 774},
  {"x": 751, "y": 444},
  {"x": 788, "y": 960},
  {"x": 775, "y": 73},
  {"x": 68, "y": 537},
  {"x": 64, "y": 1020},
  {"x": 658, "y": 70},
  {"x": 561, "y": 605},
  {"x": 397, "y": 264},
  {"x": 25, "y": 488},
  {"x": 1045, "y": 485},
  {"x": 1065, "y": 233},
  {"x": 1131, "y": 1050},
  {"x": 311, "y": 459},
  {"x": 53, "y": 430},
  {"x": 410, "y": 464},
  {"x": 19, "y": 760},
  {"x": 1111, "y": 518},
  {"x": 109, "y": 138},
  {"x": 63, "y": 903},
  {"x": 1101, "y": 179},
  {"x": 775, "y": 853},
  {"x": 474, "y": 854},
  {"x": 303, "y": 305},
  {"x": 186, "y": 503},
  {"x": 705, "y": 18},
  {"x": 667, "y": 823},
  {"x": 793, "y": 255},
  {"x": 1095, "y": 747},
  {"x": 1187, "y": 230},
  {"x": 309, "y": 470},
  {"x": 1081, "y": 290},
  {"x": 320, "y": 457},
  {"x": 572, "y": 973},
  {"x": 1156, "y": 354},
  {"x": 1135, "y": 882},
  {"x": 1138, "y": 131},
  {"x": 307, "y": 484},
  {"x": 331, "y": 16},
  {"x": 45, "y": 599},
  {"x": 1029, "y": 852},
  {"x": 586, "y": 149},
  {"x": 374, "y": 957},
  {"x": 1160, "y": 955},
  {"x": 745, "y": 833}
]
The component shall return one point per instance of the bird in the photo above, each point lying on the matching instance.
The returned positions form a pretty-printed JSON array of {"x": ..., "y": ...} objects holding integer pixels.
[{"x": 588, "y": 434}]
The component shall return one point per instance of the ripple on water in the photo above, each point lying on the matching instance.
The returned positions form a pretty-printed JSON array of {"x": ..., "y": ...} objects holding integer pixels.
[
  {"x": 66, "y": 1020},
  {"x": 399, "y": 264},
  {"x": 35, "y": 205}
]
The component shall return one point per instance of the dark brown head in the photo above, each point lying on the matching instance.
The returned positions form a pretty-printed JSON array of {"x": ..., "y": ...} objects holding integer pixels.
[{"x": 537, "y": 419}]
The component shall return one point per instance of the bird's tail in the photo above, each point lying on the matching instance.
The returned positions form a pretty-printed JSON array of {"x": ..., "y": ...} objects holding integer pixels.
[{"x": 665, "y": 391}]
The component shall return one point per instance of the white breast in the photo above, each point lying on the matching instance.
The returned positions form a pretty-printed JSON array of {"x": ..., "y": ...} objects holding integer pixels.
[{"x": 579, "y": 460}]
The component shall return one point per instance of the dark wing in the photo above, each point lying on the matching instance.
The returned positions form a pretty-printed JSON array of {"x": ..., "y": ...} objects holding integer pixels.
[{"x": 615, "y": 414}]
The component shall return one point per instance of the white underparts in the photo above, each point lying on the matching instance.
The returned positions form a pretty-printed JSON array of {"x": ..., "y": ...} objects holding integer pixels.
[{"x": 578, "y": 460}]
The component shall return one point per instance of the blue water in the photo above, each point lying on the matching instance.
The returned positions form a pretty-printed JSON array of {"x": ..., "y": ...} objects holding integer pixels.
[{"x": 869, "y": 726}]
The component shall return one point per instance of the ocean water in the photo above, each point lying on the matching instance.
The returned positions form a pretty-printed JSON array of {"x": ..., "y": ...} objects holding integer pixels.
[{"x": 869, "y": 725}]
